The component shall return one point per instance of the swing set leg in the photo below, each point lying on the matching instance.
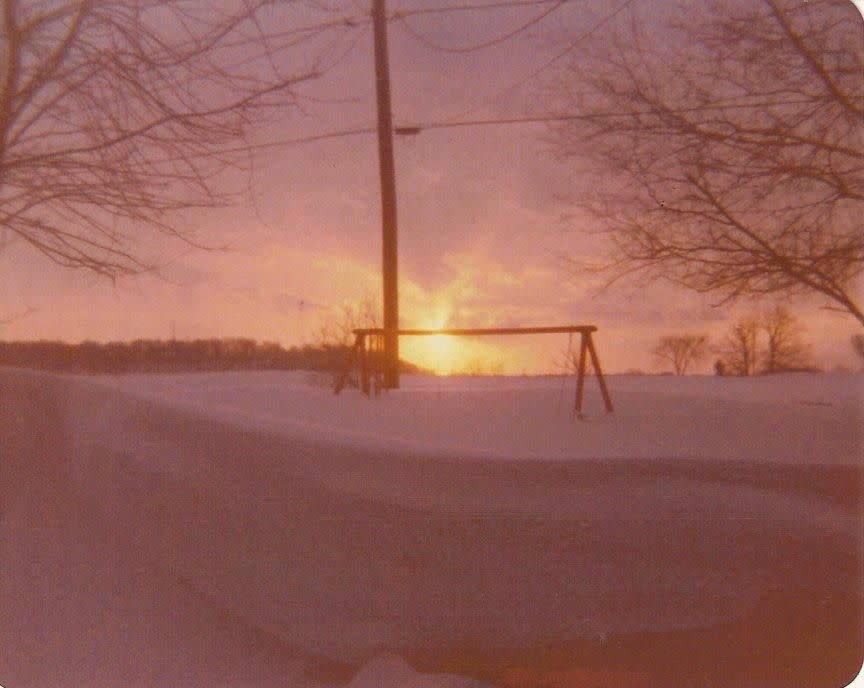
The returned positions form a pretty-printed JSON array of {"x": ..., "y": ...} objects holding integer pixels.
[
  {"x": 586, "y": 346},
  {"x": 607, "y": 400},
  {"x": 580, "y": 375}
]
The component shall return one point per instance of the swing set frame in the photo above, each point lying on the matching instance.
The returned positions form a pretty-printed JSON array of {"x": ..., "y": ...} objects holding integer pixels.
[{"x": 368, "y": 345}]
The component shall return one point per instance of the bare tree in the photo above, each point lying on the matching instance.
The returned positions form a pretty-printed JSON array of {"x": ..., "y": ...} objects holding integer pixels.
[
  {"x": 785, "y": 347},
  {"x": 858, "y": 345},
  {"x": 726, "y": 152},
  {"x": 338, "y": 329},
  {"x": 117, "y": 115},
  {"x": 682, "y": 351},
  {"x": 739, "y": 348},
  {"x": 337, "y": 334}
]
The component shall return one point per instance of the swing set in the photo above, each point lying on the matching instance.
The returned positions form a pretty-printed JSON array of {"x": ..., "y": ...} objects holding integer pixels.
[{"x": 367, "y": 354}]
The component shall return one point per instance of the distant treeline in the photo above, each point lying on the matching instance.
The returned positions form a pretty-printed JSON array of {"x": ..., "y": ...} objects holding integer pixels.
[{"x": 156, "y": 355}]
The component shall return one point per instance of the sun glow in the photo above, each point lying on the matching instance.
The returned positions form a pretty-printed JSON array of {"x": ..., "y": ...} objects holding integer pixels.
[
  {"x": 440, "y": 352},
  {"x": 449, "y": 355}
]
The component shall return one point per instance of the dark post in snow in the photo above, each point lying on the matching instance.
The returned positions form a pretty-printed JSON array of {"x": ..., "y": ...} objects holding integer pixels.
[{"x": 388, "y": 198}]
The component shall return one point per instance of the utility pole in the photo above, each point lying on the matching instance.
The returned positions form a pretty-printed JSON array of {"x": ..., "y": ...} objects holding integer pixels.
[{"x": 388, "y": 197}]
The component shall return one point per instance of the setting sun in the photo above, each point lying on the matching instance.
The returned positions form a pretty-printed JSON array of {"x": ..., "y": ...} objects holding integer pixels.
[
  {"x": 452, "y": 355},
  {"x": 440, "y": 353}
]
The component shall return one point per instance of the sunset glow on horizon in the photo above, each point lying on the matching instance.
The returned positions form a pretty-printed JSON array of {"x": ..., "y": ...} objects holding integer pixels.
[
  {"x": 490, "y": 231},
  {"x": 448, "y": 354}
]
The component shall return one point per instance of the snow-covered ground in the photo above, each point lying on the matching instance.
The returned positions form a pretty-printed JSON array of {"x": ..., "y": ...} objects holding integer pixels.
[
  {"x": 761, "y": 418},
  {"x": 254, "y": 529}
]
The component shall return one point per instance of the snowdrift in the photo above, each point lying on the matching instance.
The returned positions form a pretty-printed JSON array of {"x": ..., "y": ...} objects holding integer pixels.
[{"x": 463, "y": 518}]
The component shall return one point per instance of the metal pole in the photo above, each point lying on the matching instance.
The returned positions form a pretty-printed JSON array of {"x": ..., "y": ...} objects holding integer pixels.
[{"x": 388, "y": 197}]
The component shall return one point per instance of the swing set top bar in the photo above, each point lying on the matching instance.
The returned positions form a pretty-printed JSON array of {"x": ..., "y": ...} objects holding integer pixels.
[
  {"x": 476, "y": 331},
  {"x": 359, "y": 353}
]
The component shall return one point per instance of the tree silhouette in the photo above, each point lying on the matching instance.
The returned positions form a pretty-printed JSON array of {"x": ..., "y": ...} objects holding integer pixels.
[
  {"x": 785, "y": 348},
  {"x": 739, "y": 348},
  {"x": 337, "y": 330},
  {"x": 153, "y": 355},
  {"x": 727, "y": 157},
  {"x": 116, "y": 115},
  {"x": 682, "y": 351}
]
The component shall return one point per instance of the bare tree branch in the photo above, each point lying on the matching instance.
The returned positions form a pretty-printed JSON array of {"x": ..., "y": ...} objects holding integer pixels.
[
  {"x": 692, "y": 185},
  {"x": 117, "y": 116}
]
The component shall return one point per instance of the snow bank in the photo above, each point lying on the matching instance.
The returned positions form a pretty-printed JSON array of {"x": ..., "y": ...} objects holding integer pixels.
[
  {"x": 462, "y": 516},
  {"x": 87, "y": 596},
  {"x": 797, "y": 418}
]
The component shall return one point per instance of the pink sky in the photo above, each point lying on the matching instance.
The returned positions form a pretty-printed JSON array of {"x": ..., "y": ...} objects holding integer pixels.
[{"x": 481, "y": 232}]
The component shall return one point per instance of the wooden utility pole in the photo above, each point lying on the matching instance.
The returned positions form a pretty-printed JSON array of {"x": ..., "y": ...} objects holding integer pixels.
[{"x": 388, "y": 198}]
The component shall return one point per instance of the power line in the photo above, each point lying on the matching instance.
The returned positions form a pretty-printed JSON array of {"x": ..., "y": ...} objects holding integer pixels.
[
  {"x": 302, "y": 31},
  {"x": 338, "y": 134},
  {"x": 565, "y": 117},
  {"x": 473, "y": 7},
  {"x": 485, "y": 44},
  {"x": 345, "y": 52},
  {"x": 558, "y": 56},
  {"x": 413, "y": 129}
]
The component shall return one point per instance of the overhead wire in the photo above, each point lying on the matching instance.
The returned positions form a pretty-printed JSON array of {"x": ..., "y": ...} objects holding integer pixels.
[
  {"x": 572, "y": 45},
  {"x": 504, "y": 121},
  {"x": 475, "y": 7},
  {"x": 333, "y": 48},
  {"x": 293, "y": 33},
  {"x": 478, "y": 46},
  {"x": 356, "y": 22},
  {"x": 564, "y": 117},
  {"x": 313, "y": 138},
  {"x": 267, "y": 48}
]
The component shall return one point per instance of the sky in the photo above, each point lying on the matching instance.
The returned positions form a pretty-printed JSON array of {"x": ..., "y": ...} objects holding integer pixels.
[{"x": 483, "y": 234}]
